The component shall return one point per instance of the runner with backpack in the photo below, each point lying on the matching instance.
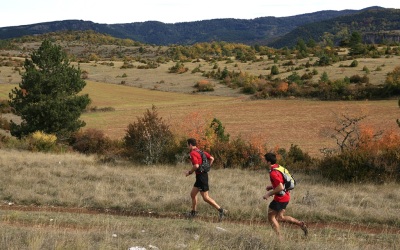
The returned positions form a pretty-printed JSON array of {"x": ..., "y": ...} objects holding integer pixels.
[
  {"x": 282, "y": 182},
  {"x": 201, "y": 163}
]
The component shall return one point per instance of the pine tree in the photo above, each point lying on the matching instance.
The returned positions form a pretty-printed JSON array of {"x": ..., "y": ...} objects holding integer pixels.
[{"x": 47, "y": 99}]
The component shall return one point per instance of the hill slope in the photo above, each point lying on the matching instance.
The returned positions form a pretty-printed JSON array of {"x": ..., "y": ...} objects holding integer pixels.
[
  {"x": 263, "y": 30},
  {"x": 376, "y": 25}
]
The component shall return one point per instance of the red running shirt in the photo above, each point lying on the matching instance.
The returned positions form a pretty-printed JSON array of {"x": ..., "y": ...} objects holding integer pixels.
[
  {"x": 276, "y": 178},
  {"x": 195, "y": 157}
]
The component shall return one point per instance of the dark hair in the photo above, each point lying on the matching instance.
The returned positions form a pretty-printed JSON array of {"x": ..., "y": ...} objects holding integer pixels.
[
  {"x": 271, "y": 157},
  {"x": 192, "y": 141}
]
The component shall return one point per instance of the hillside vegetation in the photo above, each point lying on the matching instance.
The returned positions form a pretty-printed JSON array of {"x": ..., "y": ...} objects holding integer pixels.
[
  {"x": 316, "y": 71},
  {"x": 236, "y": 75},
  {"x": 109, "y": 184},
  {"x": 258, "y": 30}
]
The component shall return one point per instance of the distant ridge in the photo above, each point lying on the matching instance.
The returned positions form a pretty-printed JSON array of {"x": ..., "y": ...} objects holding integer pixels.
[{"x": 272, "y": 31}]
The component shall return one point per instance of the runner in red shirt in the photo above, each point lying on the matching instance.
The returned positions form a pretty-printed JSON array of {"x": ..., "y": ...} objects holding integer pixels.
[
  {"x": 201, "y": 184},
  {"x": 276, "y": 209}
]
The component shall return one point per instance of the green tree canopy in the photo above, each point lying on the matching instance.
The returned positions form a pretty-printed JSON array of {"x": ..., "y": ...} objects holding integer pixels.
[
  {"x": 47, "y": 99},
  {"x": 356, "y": 45}
]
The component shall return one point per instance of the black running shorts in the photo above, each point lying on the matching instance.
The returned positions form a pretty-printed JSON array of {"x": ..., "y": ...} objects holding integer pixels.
[
  {"x": 278, "y": 206},
  {"x": 202, "y": 182}
]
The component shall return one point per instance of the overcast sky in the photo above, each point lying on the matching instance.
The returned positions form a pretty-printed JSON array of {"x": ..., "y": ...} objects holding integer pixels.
[{"x": 21, "y": 12}]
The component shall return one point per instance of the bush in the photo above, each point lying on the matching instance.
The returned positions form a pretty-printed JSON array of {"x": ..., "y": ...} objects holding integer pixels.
[
  {"x": 40, "y": 141},
  {"x": 204, "y": 86},
  {"x": 249, "y": 89},
  {"x": 237, "y": 154},
  {"x": 296, "y": 159},
  {"x": 91, "y": 141},
  {"x": 4, "y": 124},
  {"x": 179, "y": 68},
  {"x": 370, "y": 158},
  {"x": 149, "y": 140},
  {"x": 354, "y": 63},
  {"x": 4, "y": 107},
  {"x": 274, "y": 70},
  {"x": 358, "y": 79},
  {"x": 362, "y": 166}
]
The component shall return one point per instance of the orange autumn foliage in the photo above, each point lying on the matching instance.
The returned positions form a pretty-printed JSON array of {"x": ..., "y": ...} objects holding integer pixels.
[
  {"x": 374, "y": 142},
  {"x": 283, "y": 87},
  {"x": 197, "y": 125}
]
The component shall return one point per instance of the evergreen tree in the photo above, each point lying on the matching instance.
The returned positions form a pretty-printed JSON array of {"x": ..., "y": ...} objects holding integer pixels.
[
  {"x": 219, "y": 130},
  {"x": 274, "y": 70},
  {"x": 47, "y": 99},
  {"x": 355, "y": 43},
  {"x": 324, "y": 77}
]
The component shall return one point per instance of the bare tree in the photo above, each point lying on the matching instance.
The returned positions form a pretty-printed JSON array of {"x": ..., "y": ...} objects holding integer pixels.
[{"x": 346, "y": 133}]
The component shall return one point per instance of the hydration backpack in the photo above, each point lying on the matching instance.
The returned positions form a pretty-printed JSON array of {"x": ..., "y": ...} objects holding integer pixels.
[
  {"x": 205, "y": 165},
  {"x": 288, "y": 181}
]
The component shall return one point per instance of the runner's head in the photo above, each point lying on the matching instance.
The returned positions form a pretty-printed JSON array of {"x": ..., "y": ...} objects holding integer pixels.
[{"x": 270, "y": 157}]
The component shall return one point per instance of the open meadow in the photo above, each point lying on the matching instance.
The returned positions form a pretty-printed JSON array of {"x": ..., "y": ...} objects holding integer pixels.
[
  {"x": 70, "y": 201},
  {"x": 275, "y": 122}
]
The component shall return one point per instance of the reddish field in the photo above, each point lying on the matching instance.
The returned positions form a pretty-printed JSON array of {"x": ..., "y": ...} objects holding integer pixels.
[{"x": 277, "y": 122}]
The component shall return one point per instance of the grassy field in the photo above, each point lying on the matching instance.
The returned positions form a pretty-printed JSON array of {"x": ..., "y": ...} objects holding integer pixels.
[
  {"x": 278, "y": 122},
  {"x": 72, "y": 201}
]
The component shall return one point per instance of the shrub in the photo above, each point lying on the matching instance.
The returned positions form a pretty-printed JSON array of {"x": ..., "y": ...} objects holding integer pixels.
[
  {"x": 149, "y": 139},
  {"x": 371, "y": 158},
  {"x": 197, "y": 69},
  {"x": 249, "y": 89},
  {"x": 354, "y": 63},
  {"x": 40, "y": 141},
  {"x": 274, "y": 70},
  {"x": 237, "y": 154},
  {"x": 91, "y": 141},
  {"x": 4, "y": 123},
  {"x": 179, "y": 68},
  {"x": 204, "y": 86},
  {"x": 307, "y": 76},
  {"x": 5, "y": 106},
  {"x": 219, "y": 130},
  {"x": 362, "y": 166},
  {"x": 85, "y": 74},
  {"x": 298, "y": 160},
  {"x": 356, "y": 79}
]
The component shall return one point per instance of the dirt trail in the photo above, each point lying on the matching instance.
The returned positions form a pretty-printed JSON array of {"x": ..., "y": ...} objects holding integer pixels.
[{"x": 382, "y": 229}]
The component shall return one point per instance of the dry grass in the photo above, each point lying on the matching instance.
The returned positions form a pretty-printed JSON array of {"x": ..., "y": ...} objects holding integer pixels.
[
  {"x": 74, "y": 182},
  {"x": 68, "y": 182},
  {"x": 279, "y": 122}
]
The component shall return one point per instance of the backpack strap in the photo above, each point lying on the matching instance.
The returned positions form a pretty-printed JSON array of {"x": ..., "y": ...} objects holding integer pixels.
[
  {"x": 201, "y": 156},
  {"x": 281, "y": 193}
]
